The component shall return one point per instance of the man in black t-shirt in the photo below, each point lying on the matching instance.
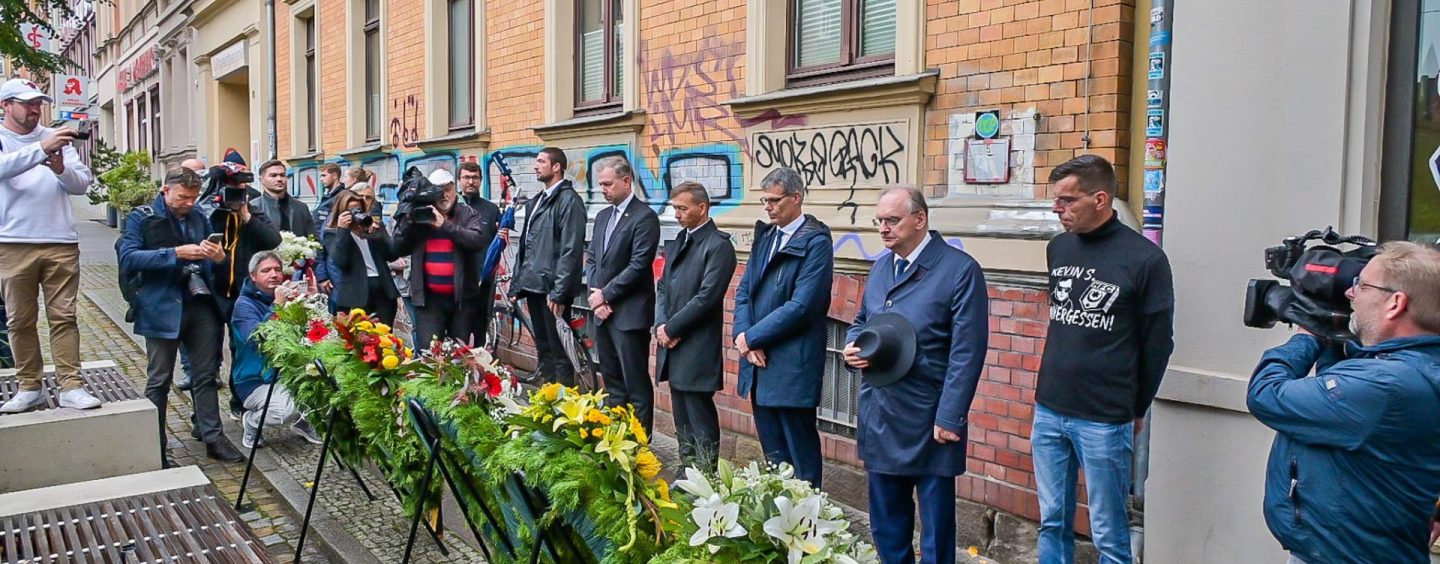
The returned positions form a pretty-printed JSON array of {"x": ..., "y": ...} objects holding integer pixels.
[{"x": 1112, "y": 310}]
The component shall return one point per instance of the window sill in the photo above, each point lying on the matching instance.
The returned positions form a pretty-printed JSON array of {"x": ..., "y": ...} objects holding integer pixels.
[
  {"x": 366, "y": 148},
  {"x": 303, "y": 157},
  {"x": 591, "y": 126},
  {"x": 1205, "y": 388},
  {"x": 882, "y": 92},
  {"x": 457, "y": 138}
]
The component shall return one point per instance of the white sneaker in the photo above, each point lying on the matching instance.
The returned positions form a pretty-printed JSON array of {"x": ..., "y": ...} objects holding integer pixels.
[
  {"x": 248, "y": 441},
  {"x": 24, "y": 400},
  {"x": 79, "y": 399},
  {"x": 303, "y": 428}
]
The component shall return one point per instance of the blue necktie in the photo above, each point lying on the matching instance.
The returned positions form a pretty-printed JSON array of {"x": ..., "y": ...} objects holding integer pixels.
[{"x": 900, "y": 265}]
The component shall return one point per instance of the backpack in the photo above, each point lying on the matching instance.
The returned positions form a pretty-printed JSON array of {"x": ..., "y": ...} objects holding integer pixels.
[{"x": 130, "y": 281}]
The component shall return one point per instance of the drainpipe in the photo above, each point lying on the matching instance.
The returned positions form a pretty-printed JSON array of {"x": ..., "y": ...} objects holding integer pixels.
[
  {"x": 270, "y": 110},
  {"x": 1157, "y": 110}
]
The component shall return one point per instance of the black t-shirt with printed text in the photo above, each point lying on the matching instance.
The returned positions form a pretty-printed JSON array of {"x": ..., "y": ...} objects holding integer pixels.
[{"x": 1112, "y": 304}]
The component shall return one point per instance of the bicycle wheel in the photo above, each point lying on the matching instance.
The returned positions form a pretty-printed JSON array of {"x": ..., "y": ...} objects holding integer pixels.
[{"x": 587, "y": 375}]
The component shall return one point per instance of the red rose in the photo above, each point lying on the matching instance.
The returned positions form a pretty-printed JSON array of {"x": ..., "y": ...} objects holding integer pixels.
[
  {"x": 492, "y": 384},
  {"x": 317, "y": 332}
]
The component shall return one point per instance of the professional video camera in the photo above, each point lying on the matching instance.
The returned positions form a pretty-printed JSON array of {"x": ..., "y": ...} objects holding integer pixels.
[
  {"x": 1320, "y": 276},
  {"x": 417, "y": 196},
  {"x": 229, "y": 182}
]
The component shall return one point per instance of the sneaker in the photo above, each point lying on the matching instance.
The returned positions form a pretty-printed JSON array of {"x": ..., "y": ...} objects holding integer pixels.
[
  {"x": 249, "y": 440},
  {"x": 303, "y": 428},
  {"x": 236, "y": 415},
  {"x": 182, "y": 382},
  {"x": 79, "y": 399},
  {"x": 24, "y": 400}
]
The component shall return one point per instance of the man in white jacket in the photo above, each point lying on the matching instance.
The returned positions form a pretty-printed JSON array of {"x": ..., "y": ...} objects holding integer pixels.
[{"x": 39, "y": 247}]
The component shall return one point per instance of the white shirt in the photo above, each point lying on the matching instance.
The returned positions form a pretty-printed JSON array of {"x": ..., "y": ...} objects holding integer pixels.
[
  {"x": 34, "y": 201},
  {"x": 914, "y": 254},
  {"x": 689, "y": 232},
  {"x": 788, "y": 231},
  {"x": 370, "y": 269}
]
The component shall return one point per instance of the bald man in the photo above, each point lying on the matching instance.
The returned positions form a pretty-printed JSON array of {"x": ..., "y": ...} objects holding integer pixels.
[{"x": 196, "y": 165}]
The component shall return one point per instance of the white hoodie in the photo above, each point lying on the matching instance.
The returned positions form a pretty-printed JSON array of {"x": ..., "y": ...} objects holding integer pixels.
[{"x": 34, "y": 201}]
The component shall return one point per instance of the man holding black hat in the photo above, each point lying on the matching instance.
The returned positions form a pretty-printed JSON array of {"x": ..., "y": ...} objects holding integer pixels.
[{"x": 919, "y": 340}]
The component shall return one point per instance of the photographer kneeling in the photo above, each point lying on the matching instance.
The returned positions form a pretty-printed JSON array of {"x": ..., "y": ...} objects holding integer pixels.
[
  {"x": 170, "y": 245},
  {"x": 361, "y": 249},
  {"x": 1355, "y": 468},
  {"x": 265, "y": 290}
]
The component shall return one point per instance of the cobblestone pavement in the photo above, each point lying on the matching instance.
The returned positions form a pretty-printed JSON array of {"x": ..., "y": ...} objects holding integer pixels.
[{"x": 378, "y": 526}]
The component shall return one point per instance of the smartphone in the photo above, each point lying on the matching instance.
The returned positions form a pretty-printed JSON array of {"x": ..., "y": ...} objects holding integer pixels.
[
  {"x": 83, "y": 130},
  {"x": 217, "y": 238}
]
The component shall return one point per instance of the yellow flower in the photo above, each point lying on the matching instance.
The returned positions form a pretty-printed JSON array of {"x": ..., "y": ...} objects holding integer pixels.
[
  {"x": 364, "y": 326},
  {"x": 639, "y": 431},
  {"x": 550, "y": 391},
  {"x": 382, "y": 328},
  {"x": 357, "y": 312},
  {"x": 663, "y": 488},
  {"x": 391, "y": 361},
  {"x": 647, "y": 464},
  {"x": 597, "y": 433},
  {"x": 593, "y": 416},
  {"x": 385, "y": 342}
]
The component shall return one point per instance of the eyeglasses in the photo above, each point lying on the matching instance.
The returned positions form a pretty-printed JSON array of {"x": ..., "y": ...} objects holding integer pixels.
[
  {"x": 1357, "y": 283},
  {"x": 1067, "y": 201},
  {"x": 772, "y": 201},
  {"x": 890, "y": 222}
]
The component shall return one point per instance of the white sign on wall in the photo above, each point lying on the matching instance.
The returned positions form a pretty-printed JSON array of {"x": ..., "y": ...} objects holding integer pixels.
[
  {"x": 37, "y": 38},
  {"x": 228, "y": 60},
  {"x": 72, "y": 91}
]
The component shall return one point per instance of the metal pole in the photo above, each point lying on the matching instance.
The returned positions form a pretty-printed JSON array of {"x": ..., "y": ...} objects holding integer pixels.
[{"x": 270, "y": 117}]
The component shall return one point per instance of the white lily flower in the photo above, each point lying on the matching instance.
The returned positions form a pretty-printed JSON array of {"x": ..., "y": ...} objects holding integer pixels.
[
  {"x": 799, "y": 527},
  {"x": 695, "y": 483},
  {"x": 716, "y": 518}
]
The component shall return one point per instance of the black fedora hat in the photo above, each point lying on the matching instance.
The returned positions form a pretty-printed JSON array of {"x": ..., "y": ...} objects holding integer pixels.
[{"x": 888, "y": 342}]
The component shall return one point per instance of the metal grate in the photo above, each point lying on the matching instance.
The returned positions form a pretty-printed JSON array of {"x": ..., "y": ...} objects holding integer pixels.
[
  {"x": 107, "y": 383},
  {"x": 840, "y": 389},
  {"x": 183, "y": 525}
]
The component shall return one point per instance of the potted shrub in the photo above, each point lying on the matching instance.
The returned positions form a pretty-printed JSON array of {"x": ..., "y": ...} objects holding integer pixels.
[{"x": 128, "y": 184}]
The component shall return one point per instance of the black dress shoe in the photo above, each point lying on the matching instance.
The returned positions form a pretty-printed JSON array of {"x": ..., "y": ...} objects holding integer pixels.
[
  {"x": 223, "y": 451},
  {"x": 168, "y": 463}
]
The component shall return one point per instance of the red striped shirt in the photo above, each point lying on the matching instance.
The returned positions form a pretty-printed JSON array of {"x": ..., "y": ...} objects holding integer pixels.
[{"x": 440, "y": 266}]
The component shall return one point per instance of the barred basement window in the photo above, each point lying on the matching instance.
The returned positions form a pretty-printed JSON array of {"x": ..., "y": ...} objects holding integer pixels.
[{"x": 840, "y": 389}]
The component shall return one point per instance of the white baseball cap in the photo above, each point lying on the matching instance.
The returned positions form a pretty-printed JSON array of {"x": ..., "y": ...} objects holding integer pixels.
[
  {"x": 441, "y": 177},
  {"x": 23, "y": 90}
]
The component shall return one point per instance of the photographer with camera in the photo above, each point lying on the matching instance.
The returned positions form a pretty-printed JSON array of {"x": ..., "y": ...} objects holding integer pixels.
[
  {"x": 360, "y": 250},
  {"x": 39, "y": 247},
  {"x": 445, "y": 240},
  {"x": 173, "y": 250},
  {"x": 1354, "y": 471},
  {"x": 265, "y": 290}
]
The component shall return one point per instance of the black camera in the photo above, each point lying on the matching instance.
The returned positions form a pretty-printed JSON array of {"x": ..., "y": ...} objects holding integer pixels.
[
  {"x": 1319, "y": 276},
  {"x": 417, "y": 195},
  {"x": 360, "y": 218},
  {"x": 195, "y": 284},
  {"x": 228, "y": 181}
]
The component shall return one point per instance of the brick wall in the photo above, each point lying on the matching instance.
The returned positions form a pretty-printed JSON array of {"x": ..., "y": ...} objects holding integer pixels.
[
  {"x": 515, "y": 45},
  {"x": 330, "y": 24}
]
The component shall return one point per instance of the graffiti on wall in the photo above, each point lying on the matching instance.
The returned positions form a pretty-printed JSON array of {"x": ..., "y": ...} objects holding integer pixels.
[
  {"x": 687, "y": 93},
  {"x": 305, "y": 184},
  {"x": 853, "y": 155},
  {"x": 521, "y": 161},
  {"x": 405, "y": 121}
]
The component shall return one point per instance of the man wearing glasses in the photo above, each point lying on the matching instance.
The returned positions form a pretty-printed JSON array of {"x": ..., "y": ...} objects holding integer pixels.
[
  {"x": 1355, "y": 468},
  {"x": 1112, "y": 307},
  {"x": 779, "y": 325}
]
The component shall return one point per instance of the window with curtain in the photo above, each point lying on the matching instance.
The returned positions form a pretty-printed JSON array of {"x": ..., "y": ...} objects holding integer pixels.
[
  {"x": 598, "y": 56},
  {"x": 837, "y": 40},
  {"x": 462, "y": 63},
  {"x": 373, "y": 56},
  {"x": 155, "y": 121},
  {"x": 312, "y": 114}
]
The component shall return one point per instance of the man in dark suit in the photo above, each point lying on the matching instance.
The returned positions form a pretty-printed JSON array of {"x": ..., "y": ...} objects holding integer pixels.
[
  {"x": 548, "y": 268},
  {"x": 622, "y": 288},
  {"x": 780, "y": 308},
  {"x": 911, "y": 432},
  {"x": 690, "y": 323},
  {"x": 489, "y": 223}
]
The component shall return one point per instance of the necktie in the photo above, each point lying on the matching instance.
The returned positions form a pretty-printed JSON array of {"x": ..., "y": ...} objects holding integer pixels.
[
  {"x": 900, "y": 265},
  {"x": 610, "y": 229},
  {"x": 779, "y": 236}
]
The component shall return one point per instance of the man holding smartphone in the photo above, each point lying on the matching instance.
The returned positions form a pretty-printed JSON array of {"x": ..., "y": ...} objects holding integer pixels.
[{"x": 39, "y": 247}]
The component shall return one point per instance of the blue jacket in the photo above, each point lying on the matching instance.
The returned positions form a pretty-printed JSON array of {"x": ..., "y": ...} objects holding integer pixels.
[
  {"x": 780, "y": 306},
  {"x": 252, "y": 308},
  {"x": 1355, "y": 469},
  {"x": 147, "y": 246},
  {"x": 944, "y": 297}
]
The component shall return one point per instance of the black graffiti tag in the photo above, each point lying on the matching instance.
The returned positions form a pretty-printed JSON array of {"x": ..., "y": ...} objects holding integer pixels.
[{"x": 845, "y": 156}]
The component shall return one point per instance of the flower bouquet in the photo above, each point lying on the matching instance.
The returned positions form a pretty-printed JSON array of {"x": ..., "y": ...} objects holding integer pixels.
[
  {"x": 757, "y": 514},
  {"x": 297, "y": 252},
  {"x": 597, "y": 468}
]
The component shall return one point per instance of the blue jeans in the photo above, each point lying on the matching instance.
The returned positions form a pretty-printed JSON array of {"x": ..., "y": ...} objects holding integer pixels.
[{"x": 1062, "y": 446}]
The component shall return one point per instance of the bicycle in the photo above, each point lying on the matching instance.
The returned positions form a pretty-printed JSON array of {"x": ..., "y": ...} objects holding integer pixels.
[{"x": 508, "y": 314}]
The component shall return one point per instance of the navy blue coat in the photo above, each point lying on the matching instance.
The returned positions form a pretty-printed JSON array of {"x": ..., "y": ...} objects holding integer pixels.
[
  {"x": 147, "y": 246},
  {"x": 1355, "y": 469},
  {"x": 780, "y": 306},
  {"x": 944, "y": 297}
]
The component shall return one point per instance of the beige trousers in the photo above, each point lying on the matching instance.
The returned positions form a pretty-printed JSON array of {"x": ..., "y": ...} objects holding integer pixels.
[{"x": 26, "y": 269}]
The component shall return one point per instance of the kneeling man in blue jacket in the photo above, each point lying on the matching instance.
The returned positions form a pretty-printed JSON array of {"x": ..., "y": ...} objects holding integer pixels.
[
  {"x": 1355, "y": 469},
  {"x": 265, "y": 290}
]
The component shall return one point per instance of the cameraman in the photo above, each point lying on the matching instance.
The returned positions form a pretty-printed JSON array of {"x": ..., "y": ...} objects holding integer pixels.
[
  {"x": 360, "y": 251},
  {"x": 443, "y": 252},
  {"x": 1355, "y": 467},
  {"x": 245, "y": 227},
  {"x": 168, "y": 246}
]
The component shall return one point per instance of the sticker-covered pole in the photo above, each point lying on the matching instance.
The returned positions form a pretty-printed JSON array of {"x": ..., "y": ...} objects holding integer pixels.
[{"x": 1157, "y": 107}]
